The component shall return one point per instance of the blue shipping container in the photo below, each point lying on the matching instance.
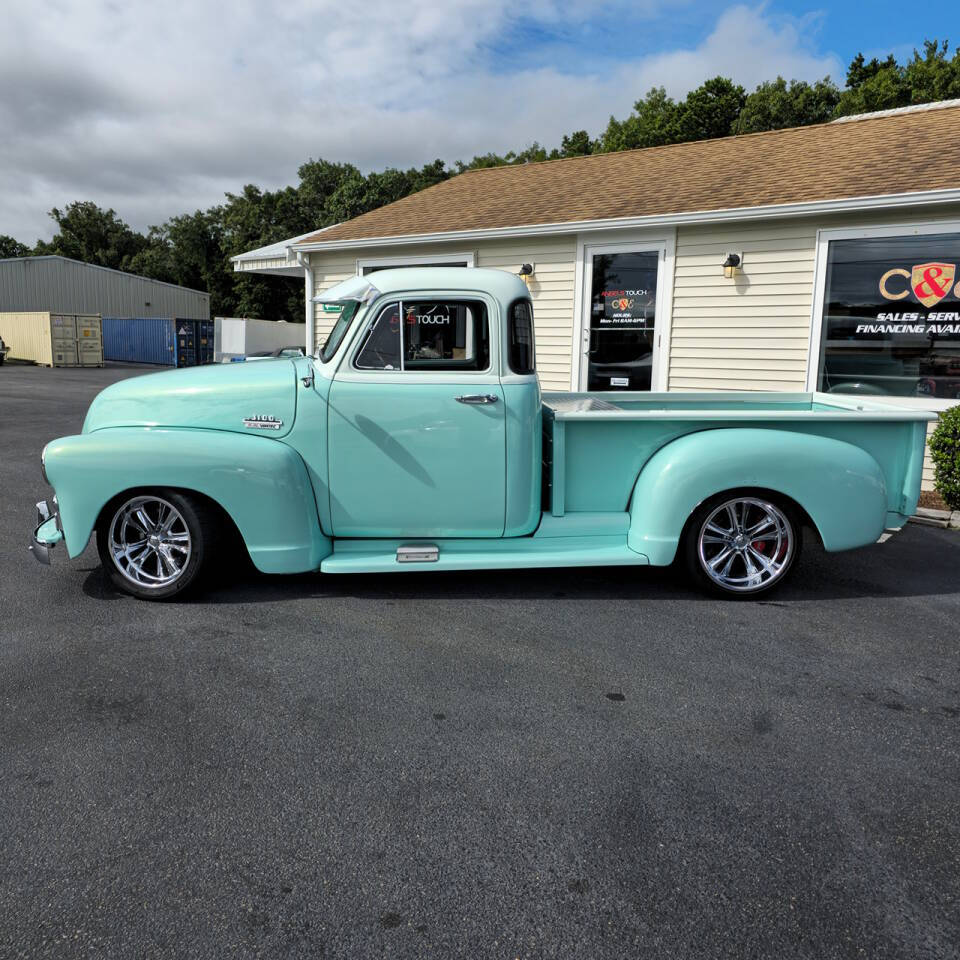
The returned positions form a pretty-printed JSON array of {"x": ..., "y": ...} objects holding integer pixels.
[
  {"x": 167, "y": 341},
  {"x": 140, "y": 340}
]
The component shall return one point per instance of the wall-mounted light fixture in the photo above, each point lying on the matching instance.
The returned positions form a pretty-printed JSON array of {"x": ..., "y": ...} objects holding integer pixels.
[{"x": 732, "y": 264}]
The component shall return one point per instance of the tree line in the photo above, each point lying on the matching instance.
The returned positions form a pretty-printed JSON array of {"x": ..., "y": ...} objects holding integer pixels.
[{"x": 193, "y": 249}]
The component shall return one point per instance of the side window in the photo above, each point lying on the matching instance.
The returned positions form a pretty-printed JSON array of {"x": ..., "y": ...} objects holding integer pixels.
[
  {"x": 433, "y": 335},
  {"x": 520, "y": 352},
  {"x": 381, "y": 345},
  {"x": 445, "y": 335}
]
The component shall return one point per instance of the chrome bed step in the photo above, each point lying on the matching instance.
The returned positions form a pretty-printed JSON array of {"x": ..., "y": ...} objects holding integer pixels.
[{"x": 418, "y": 553}]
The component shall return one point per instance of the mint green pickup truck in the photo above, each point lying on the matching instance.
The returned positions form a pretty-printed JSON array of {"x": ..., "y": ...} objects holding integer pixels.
[{"x": 418, "y": 439}]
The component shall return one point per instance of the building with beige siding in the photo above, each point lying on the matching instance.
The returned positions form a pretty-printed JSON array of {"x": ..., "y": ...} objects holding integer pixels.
[{"x": 815, "y": 258}]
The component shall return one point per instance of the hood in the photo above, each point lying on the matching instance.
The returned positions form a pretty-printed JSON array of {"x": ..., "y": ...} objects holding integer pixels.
[{"x": 216, "y": 397}]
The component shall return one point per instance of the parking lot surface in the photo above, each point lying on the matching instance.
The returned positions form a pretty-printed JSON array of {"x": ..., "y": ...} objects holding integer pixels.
[{"x": 570, "y": 763}]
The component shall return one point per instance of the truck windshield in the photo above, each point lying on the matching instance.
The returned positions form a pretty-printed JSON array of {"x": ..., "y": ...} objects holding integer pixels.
[{"x": 348, "y": 310}]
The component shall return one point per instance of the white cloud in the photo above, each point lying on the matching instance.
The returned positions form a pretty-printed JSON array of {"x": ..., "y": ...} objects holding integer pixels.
[{"x": 158, "y": 108}]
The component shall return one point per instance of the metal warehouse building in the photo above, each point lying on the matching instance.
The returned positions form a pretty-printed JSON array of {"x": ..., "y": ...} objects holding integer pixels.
[{"x": 60, "y": 285}]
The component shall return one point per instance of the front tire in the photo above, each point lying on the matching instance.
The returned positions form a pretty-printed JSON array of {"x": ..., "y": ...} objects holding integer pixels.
[
  {"x": 156, "y": 544},
  {"x": 741, "y": 545}
]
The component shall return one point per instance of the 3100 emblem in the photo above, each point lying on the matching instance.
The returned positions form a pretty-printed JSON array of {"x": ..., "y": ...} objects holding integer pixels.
[{"x": 262, "y": 421}]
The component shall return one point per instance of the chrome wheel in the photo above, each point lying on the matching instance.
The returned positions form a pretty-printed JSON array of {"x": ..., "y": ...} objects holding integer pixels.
[
  {"x": 745, "y": 544},
  {"x": 150, "y": 542}
]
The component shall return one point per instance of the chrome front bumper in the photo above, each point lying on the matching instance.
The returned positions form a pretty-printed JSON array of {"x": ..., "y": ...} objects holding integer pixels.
[{"x": 47, "y": 533}]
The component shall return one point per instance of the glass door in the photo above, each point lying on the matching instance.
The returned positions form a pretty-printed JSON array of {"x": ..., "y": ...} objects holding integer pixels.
[{"x": 620, "y": 337}]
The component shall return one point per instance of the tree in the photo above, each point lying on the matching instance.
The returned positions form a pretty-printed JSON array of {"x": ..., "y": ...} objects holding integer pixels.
[
  {"x": 650, "y": 125},
  {"x": 931, "y": 76},
  {"x": 775, "y": 105},
  {"x": 10, "y": 248},
  {"x": 884, "y": 84},
  {"x": 859, "y": 71},
  {"x": 883, "y": 89},
  {"x": 709, "y": 111},
  {"x": 576, "y": 144},
  {"x": 88, "y": 233},
  {"x": 534, "y": 153}
]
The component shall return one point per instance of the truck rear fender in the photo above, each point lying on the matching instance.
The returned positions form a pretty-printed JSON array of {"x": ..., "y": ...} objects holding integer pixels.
[
  {"x": 837, "y": 485},
  {"x": 261, "y": 484}
]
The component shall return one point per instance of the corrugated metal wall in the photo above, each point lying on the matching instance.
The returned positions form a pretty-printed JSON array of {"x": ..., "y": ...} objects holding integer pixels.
[{"x": 58, "y": 285}]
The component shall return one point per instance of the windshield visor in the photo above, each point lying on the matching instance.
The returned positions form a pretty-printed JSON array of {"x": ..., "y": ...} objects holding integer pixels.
[{"x": 356, "y": 288}]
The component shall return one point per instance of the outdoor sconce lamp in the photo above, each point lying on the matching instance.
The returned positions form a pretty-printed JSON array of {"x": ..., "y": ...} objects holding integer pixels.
[{"x": 731, "y": 265}]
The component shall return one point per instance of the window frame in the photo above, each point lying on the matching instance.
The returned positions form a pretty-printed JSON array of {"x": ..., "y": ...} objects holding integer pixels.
[
  {"x": 664, "y": 242},
  {"x": 406, "y": 373},
  {"x": 824, "y": 238},
  {"x": 386, "y": 263}
]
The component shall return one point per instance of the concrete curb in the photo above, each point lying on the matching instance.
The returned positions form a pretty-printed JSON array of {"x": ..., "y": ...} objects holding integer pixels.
[{"x": 937, "y": 518}]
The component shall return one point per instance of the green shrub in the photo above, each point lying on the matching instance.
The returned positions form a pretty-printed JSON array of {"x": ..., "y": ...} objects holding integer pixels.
[{"x": 945, "y": 451}]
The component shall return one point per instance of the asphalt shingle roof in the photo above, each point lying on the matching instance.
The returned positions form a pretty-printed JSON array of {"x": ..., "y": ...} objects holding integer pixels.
[{"x": 879, "y": 155}]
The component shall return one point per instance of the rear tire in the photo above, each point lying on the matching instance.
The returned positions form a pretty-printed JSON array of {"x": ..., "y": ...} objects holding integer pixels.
[
  {"x": 741, "y": 545},
  {"x": 157, "y": 544}
]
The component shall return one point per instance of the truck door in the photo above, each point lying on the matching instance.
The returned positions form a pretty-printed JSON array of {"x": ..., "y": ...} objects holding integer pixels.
[{"x": 417, "y": 426}]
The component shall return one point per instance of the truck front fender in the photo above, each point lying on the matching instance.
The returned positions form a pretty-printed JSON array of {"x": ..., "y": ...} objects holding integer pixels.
[
  {"x": 840, "y": 486},
  {"x": 261, "y": 483}
]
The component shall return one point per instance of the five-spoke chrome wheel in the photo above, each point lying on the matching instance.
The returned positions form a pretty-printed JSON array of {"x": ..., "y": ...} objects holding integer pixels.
[
  {"x": 149, "y": 542},
  {"x": 745, "y": 545}
]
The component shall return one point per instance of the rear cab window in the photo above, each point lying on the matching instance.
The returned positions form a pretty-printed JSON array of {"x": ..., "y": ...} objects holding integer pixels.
[{"x": 521, "y": 358}]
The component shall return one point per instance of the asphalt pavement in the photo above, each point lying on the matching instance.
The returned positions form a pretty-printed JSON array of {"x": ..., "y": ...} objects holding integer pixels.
[{"x": 571, "y": 763}]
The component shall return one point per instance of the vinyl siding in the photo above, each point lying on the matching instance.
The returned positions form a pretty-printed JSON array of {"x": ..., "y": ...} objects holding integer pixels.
[
  {"x": 265, "y": 263},
  {"x": 750, "y": 333},
  {"x": 552, "y": 289}
]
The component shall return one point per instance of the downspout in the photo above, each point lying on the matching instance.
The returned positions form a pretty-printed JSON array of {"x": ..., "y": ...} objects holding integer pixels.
[{"x": 304, "y": 262}]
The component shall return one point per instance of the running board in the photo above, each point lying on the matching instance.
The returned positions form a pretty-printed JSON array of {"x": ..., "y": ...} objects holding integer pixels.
[{"x": 392, "y": 556}]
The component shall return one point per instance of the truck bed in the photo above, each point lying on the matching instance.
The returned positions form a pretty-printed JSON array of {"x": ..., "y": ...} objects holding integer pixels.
[{"x": 595, "y": 444}]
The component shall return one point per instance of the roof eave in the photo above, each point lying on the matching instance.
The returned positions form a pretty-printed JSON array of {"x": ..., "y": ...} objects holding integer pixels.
[
  {"x": 279, "y": 250},
  {"x": 774, "y": 211}
]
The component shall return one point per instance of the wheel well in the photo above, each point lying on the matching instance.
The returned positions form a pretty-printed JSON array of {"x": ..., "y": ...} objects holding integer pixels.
[
  {"x": 775, "y": 496},
  {"x": 230, "y": 527}
]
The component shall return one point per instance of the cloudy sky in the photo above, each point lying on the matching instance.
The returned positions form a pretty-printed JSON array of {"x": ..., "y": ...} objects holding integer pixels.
[{"x": 157, "y": 108}]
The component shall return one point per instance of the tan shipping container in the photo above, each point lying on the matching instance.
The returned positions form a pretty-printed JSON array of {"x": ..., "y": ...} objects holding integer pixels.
[{"x": 53, "y": 340}]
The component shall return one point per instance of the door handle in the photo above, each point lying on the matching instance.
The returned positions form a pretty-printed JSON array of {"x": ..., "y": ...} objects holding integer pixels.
[{"x": 477, "y": 398}]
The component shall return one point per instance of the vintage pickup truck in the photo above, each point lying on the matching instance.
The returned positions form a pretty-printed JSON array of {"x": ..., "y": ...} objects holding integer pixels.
[{"x": 418, "y": 439}]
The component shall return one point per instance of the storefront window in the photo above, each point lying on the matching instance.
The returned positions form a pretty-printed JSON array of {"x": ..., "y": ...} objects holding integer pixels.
[{"x": 891, "y": 317}]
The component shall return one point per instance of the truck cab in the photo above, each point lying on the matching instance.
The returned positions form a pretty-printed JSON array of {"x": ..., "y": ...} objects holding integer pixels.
[{"x": 433, "y": 405}]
